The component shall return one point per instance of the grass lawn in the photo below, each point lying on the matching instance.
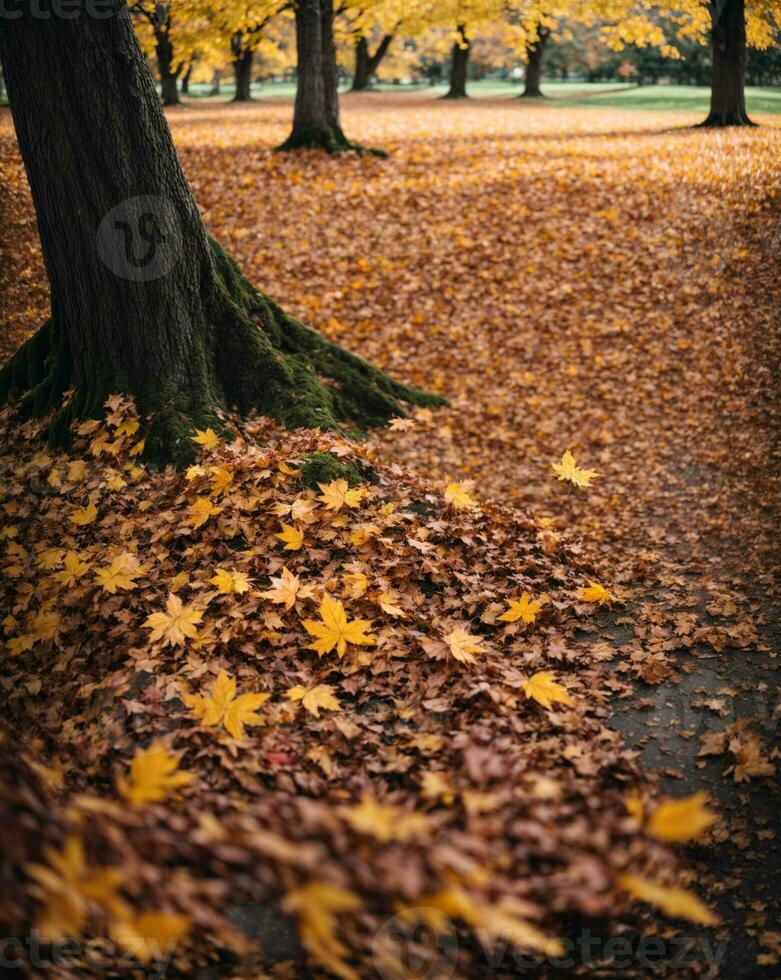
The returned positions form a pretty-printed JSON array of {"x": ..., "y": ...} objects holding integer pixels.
[{"x": 688, "y": 98}]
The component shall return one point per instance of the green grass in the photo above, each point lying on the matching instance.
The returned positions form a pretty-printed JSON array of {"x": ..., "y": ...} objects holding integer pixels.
[{"x": 682, "y": 98}]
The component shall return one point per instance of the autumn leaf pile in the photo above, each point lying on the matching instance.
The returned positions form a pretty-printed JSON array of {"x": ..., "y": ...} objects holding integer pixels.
[
  {"x": 366, "y": 695},
  {"x": 236, "y": 689}
]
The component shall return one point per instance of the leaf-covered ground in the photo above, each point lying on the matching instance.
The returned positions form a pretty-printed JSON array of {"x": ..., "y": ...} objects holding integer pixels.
[{"x": 605, "y": 283}]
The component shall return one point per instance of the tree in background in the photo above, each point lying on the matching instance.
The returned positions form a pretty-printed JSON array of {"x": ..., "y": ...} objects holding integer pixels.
[
  {"x": 143, "y": 302},
  {"x": 159, "y": 19}
]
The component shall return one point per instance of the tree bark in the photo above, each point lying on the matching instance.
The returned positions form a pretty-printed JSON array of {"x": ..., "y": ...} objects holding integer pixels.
[
  {"x": 534, "y": 53},
  {"x": 459, "y": 65},
  {"x": 164, "y": 50},
  {"x": 142, "y": 301},
  {"x": 728, "y": 39},
  {"x": 187, "y": 76},
  {"x": 361, "y": 76},
  {"x": 366, "y": 64},
  {"x": 316, "y": 122},
  {"x": 242, "y": 70}
]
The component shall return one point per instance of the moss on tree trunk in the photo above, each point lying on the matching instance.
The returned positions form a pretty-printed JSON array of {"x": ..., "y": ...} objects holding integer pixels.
[
  {"x": 250, "y": 357},
  {"x": 143, "y": 301}
]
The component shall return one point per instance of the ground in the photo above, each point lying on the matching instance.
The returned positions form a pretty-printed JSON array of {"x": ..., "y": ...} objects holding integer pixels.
[{"x": 600, "y": 281}]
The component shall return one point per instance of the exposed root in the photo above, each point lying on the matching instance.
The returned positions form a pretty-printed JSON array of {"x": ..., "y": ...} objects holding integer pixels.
[
  {"x": 252, "y": 359},
  {"x": 328, "y": 138}
]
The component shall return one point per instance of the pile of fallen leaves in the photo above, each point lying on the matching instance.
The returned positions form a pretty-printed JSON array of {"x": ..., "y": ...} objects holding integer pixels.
[{"x": 239, "y": 689}]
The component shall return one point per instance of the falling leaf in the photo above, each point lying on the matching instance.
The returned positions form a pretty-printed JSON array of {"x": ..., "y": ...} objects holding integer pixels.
[
  {"x": 568, "y": 470},
  {"x": 224, "y": 708},
  {"x": 543, "y": 688},
  {"x": 315, "y": 698},
  {"x": 682, "y": 819},
  {"x": 292, "y": 538},
  {"x": 675, "y": 902},
  {"x": 522, "y": 608},
  {"x": 334, "y": 630},
  {"x": 153, "y": 777},
  {"x": 175, "y": 624}
]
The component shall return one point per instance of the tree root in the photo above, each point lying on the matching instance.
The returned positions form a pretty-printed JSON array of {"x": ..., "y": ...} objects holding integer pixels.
[
  {"x": 253, "y": 359},
  {"x": 727, "y": 118},
  {"x": 328, "y": 138}
]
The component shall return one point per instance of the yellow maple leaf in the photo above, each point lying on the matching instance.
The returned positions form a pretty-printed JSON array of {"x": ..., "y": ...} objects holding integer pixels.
[
  {"x": 201, "y": 509},
  {"x": 389, "y": 603},
  {"x": 83, "y": 515},
  {"x": 315, "y": 698},
  {"x": 286, "y": 589},
  {"x": 542, "y": 687},
  {"x": 176, "y": 623},
  {"x": 682, "y": 819},
  {"x": 120, "y": 574},
  {"x": 228, "y": 582},
  {"x": 337, "y": 494},
  {"x": 153, "y": 776},
  {"x": 318, "y": 906},
  {"x": 291, "y": 536},
  {"x": 594, "y": 593},
  {"x": 207, "y": 438},
  {"x": 356, "y": 584},
  {"x": 71, "y": 886},
  {"x": 463, "y": 645},
  {"x": 224, "y": 708},
  {"x": 150, "y": 935},
  {"x": 568, "y": 470},
  {"x": 221, "y": 479},
  {"x": 675, "y": 902},
  {"x": 334, "y": 630},
  {"x": 457, "y": 495},
  {"x": 116, "y": 483},
  {"x": 384, "y": 822},
  {"x": 72, "y": 569},
  {"x": 288, "y": 470},
  {"x": 522, "y": 608}
]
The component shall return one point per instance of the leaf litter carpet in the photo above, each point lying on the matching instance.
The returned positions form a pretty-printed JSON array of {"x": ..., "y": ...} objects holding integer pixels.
[{"x": 421, "y": 707}]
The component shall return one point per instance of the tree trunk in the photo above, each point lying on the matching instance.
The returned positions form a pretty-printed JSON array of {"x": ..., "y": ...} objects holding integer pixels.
[
  {"x": 242, "y": 69},
  {"x": 142, "y": 301},
  {"x": 459, "y": 65},
  {"x": 215, "y": 89},
  {"x": 534, "y": 53},
  {"x": 164, "y": 50},
  {"x": 186, "y": 78},
  {"x": 316, "y": 123},
  {"x": 361, "y": 77},
  {"x": 366, "y": 64},
  {"x": 728, "y": 35}
]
